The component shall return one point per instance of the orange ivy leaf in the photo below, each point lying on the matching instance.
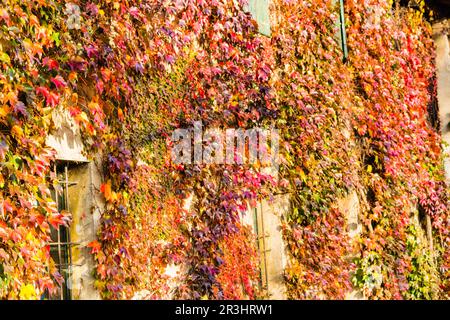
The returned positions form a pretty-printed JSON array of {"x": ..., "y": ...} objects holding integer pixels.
[
  {"x": 95, "y": 246},
  {"x": 109, "y": 195}
]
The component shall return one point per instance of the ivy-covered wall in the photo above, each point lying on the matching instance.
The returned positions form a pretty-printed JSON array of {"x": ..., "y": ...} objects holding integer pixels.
[{"x": 130, "y": 72}]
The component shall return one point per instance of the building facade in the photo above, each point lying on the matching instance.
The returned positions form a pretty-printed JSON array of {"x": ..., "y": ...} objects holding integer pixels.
[{"x": 80, "y": 180}]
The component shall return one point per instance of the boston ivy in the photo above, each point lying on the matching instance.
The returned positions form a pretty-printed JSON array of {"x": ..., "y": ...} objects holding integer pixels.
[{"x": 130, "y": 72}]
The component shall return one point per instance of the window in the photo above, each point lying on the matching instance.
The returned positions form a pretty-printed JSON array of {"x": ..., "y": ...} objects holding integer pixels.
[
  {"x": 262, "y": 240},
  {"x": 266, "y": 221},
  {"x": 61, "y": 245},
  {"x": 260, "y": 12}
]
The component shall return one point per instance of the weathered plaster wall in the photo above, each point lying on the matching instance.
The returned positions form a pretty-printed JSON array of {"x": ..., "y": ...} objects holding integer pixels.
[
  {"x": 66, "y": 138},
  {"x": 85, "y": 215},
  {"x": 441, "y": 40},
  {"x": 350, "y": 206},
  {"x": 276, "y": 254},
  {"x": 272, "y": 213}
]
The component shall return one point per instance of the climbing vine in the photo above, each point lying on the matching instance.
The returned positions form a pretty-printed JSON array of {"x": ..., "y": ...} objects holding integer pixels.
[
  {"x": 130, "y": 72},
  {"x": 360, "y": 125},
  {"x": 403, "y": 161},
  {"x": 313, "y": 95},
  {"x": 115, "y": 67}
]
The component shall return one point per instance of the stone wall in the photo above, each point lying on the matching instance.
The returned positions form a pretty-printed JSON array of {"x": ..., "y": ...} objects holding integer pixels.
[{"x": 441, "y": 39}]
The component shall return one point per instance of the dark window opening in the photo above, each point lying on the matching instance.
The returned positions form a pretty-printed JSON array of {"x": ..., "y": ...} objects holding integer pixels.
[
  {"x": 433, "y": 106},
  {"x": 434, "y": 9},
  {"x": 61, "y": 245}
]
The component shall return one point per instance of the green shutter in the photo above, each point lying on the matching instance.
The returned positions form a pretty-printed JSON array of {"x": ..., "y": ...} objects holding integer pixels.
[
  {"x": 343, "y": 31},
  {"x": 260, "y": 12}
]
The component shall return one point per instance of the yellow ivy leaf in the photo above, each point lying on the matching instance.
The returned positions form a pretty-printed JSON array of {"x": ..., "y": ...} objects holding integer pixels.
[
  {"x": 4, "y": 111},
  {"x": 27, "y": 292},
  {"x": 83, "y": 116},
  {"x": 29, "y": 237},
  {"x": 17, "y": 131}
]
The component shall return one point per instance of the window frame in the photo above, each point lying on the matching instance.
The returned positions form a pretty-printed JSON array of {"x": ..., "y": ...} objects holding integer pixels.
[
  {"x": 261, "y": 243},
  {"x": 63, "y": 246}
]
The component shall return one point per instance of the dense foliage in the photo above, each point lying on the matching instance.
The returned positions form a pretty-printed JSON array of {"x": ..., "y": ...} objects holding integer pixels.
[
  {"x": 402, "y": 160},
  {"x": 360, "y": 125},
  {"x": 130, "y": 72}
]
